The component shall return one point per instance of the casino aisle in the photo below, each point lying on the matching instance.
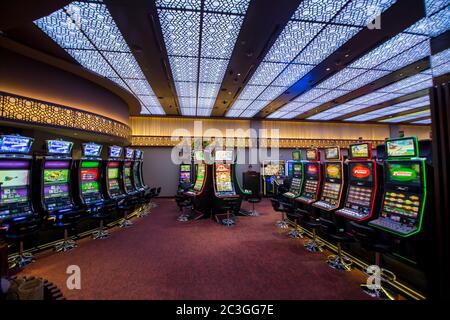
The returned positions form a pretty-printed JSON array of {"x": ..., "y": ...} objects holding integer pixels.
[{"x": 160, "y": 259}]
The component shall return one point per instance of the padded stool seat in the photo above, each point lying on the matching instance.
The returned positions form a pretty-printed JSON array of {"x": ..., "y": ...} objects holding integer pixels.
[
  {"x": 253, "y": 200},
  {"x": 19, "y": 232},
  {"x": 338, "y": 261}
]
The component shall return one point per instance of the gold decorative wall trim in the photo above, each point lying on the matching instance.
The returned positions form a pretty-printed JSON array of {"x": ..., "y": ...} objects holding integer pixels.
[
  {"x": 160, "y": 141},
  {"x": 31, "y": 111}
]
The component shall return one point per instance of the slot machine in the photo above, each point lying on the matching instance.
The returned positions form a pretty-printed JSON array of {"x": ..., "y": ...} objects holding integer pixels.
[
  {"x": 312, "y": 178},
  {"x": 136, "y": 168},
  {"x": 185, "y": 174},
  {"x": 16, "y": 204},
  {"x": 288, "y": 168},
  {"x": 144, "y": 186},
  {"x": 113, "y": 188},
  {"x": 272, "y": 176},
  {"x": 127, "y": 167},
  {"x": 88, "y": 191},
  {"x": 201, "y": 191},
  {"x": 363, "y": 183},
  {"x": 405, "y": 189},
  {"x": 297, "y": 176},
  {"x": 333, "y": 181}
]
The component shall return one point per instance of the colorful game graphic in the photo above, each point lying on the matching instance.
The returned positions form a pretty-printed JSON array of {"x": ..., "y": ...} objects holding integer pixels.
[
  {"x": 401, "y": 147},
  {"x": 311, "y": 154},
  {"x": 404, "y": 173},
  {"x": 113, "y": 173},
  {"x": 361, "y": 171},
  {"x": 56, "y": 176},
  {"x": 296, "y": 155},
  {"x": 115, "y": 152},
  {"x": 360, "y": 150},
  {"x": 59, "y": 147},
  {"x": 89, "y": 186},
  {"x": 223, "y": 178},
  {"x": 200, "y": 177},
  {"x": 333, "y": 171},
  {"x": 13, "y": 195},
  {"x": 13, "y": 178},
  {"x": 401, "y": 203},
  {"x": 332, "y": 153},
  {"x": 272, "y": 169},
  {"x": 15, "y": 144},
  {"x": 89, "y": 174},
  {"x": 55, "y": 191},
  {"x": 91, "y": 150},
  {"x": 185, "y": 168},
  {"x": 312, "y": 169},
  {"x": 113, "y": 185}
]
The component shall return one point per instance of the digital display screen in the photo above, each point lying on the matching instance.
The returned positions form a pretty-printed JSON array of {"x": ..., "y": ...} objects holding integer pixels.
[
  {"x": 89, "y": 180},
  {"x": 55, "y": 191},
  {"x": 129, "y": 153},
  {"x": 272, "y": 169},
  {"x": 360, "y": 151},
  {"x": 15, "y": 144},
  {"x": 56, "y": 176},
  {"x": 137, "y": 154},
  {"x": 296, "y": 155},
  {"x": 405, "y": 147},
  {"x": 185, "y": 176},
  {"x": 361, "y": 171},
  {"x": 127, "y": 174},
  {"x": 201, "y": 170},
  {"x": 89, "y": 186},
  {"x": 332, "y": 153},
  {"x": 114, "y": 185},
  {"x": 311, "y": 154},
  {"x": 113, "y": 173},
  {"x": 59, "y": 147},
  {"x": 199, "y": 156},
  {"x": 115, "y": 152},
  {"x": 333, "y": 171},
  {"x": 224, "y": 155},
  {"x": 92, "y": 149},
  {"x": 185, "y": 168},
  {"x": 223, "y": 178},
  {"x": 297, "y": 168},
  {"x": 14, "y": 178},
  {"x": 13, "y": 195},
  {"x": 312, "y": 170},
  {"x": 403, "y": 173}
]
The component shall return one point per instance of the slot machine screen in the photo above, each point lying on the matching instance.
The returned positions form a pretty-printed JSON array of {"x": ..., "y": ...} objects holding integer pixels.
[
  {"x": 127, "y": 175},
  {"x": 403, "y": 173},
  {"x": 199, "y": 156},
  {"x": 223, "y": 178},
  {"x": 312, "y": 171},
  {"x": 201, "y": 170},
  {"x": 361, "y": 171},
  {"x": 91, "y": 149},
  {"x": 333, "y": 171},
  {"x": 115, "y": 152},
  {"x": 56, "y": 182},
  {"x": 297, "y": 169},
  {"x": 129, "y": 153},
  {"x": 332, "y": 153},
  {"x": 89, "y": 177},
  {"x": 59, "y": 147},
  {"x": 137, "y": 154},
  {"x": 113, "y": 173},
  {"x": 14, "y": 186},
  {"x": 15, "y": 144},
  {"x": 360, "y": 151},
  {"x": 311, "y": 154},
  {"x": 405, "y": 147},
  {"x": 185, "y": 168},
  {"x": 296, "y": 155},
  {"x": 271, "y": 169}
]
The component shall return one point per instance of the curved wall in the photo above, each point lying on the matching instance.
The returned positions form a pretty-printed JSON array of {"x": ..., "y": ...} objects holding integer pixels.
[{"x": 30, "y": 78}]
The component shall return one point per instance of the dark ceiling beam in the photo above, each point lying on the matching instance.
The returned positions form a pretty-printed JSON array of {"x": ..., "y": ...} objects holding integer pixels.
[
  {"x": 393, "y": 21},
  {"x": 398, "y": 114},
  {"x": 139, "y": 24},
  {"x": 16, "y": 13},
  {"x": 385, "y": 104},
  {"x": 440, "y": 43},
  {"x": 398, "y": 75},
  {"x": 264, "y": 21}
]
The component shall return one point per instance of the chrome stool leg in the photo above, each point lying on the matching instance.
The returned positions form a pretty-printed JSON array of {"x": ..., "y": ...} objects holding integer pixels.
[
  {"x": 23, "y": 259},
  {"x": 380, "y": 292},
  {"x": 253, "y": 213},
  {"x": 101, "y": 233},
  {"x": 67, "y": 244},
  {"x": 282, "y": 224},
  {"x": 314, "y": 245},
  {"x": 228, "y": 221},
  {"x": 339, "y": 261},
  {"x": 125, "y": 222},
  {"x": 297, "y": 232}
]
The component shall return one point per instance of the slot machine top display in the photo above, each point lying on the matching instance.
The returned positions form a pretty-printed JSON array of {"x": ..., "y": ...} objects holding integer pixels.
[
  {"x": 89, "y": 174},
  {"x": 59, "y": 148},
  {"x": 113, "y": 174},
  {"x": 129, "y": 153},
  {"x": 15, "y": 169},
  {"x": 115, "y": 152},
  {"x": 360, "y": 199},
  {"x": 91, "y": 150},
  {"x": 332, "y": 188},
  {"x": 405, "y": 190}
]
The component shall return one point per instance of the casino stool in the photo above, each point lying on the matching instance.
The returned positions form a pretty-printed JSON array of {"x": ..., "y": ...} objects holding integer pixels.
[
  {"x": 19, "y": 232},
  {"x": 126, "y": 207},
  {"x": 253, "y": 200},
  {"x": 297, "y": 216},
  {"x": 185, "y": 205},
  {"x": 280, "y": 207},
  {"x": 369, "y": 240},
  {"x": 228, "y": 221},
  {"x": 337, "y": 261},
  {"x": 68, "y": 222},
  {"x": 102, "y": 214},
  {"x": 313, "y": 245},
  {"x": 229, "y": 206}
]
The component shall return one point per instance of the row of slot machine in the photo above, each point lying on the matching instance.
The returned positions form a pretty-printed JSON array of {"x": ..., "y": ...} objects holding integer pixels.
[
  {"x": 390, "y": 196},
  {"x": 51, "y": 185}
]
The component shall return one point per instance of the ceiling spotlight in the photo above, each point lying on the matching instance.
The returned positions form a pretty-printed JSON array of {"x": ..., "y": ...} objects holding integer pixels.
[
  {"x": 239, "y": 74},
  {"x": 347, "y": 55},
  {"x": 328, "y": 69}
]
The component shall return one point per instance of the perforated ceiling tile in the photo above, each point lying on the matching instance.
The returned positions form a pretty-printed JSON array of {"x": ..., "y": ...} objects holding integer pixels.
[
  {"x": 186, "y": 89},
  {"x": 183, "y": 69},
  {"x": 266, "y": 73},
  {"x": 318, "y": 10},
  {"x": 362, "y": 12},
  {"x": 229, "y": 6},
  {"x": 93, "y": 60},
  {"x": 179, "y": 4},
  {"x": 292, "y": 74}
]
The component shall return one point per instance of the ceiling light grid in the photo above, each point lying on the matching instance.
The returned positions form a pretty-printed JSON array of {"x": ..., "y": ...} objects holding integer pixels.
[
  {"x": 433, "y": 25},
  {"x": 200, "y": 37},
  {"x": 424, "y": 121},
  {"x": 87, "y": 31},
  {"x": 408, "y": 117}
]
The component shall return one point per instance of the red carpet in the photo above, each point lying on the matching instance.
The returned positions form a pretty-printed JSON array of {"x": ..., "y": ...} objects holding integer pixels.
[{"x": 160, "y": 258}]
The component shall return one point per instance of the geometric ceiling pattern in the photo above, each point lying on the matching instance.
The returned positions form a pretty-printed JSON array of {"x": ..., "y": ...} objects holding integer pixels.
[
  {"x": 199, "y": 37},
  {"x": 89, "y": 34}
]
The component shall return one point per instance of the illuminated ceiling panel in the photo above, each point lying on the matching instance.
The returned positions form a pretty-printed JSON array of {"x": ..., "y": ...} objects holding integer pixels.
[
  {"x": 314, "y": 10},
  {"x": 186, "y": 89},
  {"x": 89, "y": 26},
  {"x": 324, "y": 116},
  {"x": 408, "y": 117},
  {"x": 433, "y": 25},
  {"x": 362, "y": 12},
  {"x": 291, "y": 74},
  {"x": 440, "y": 63},
  {"x": 363, "y": 79},
  {"x": 409, "y": 56},
  {"x": 433, "y": 6},
  {"x": 425, "y": 121},
  {"x": 250, "y": 92},
  {"x": 272, "y": 92},
  {"x": 200, "y": 37},
  {"x": 266, "y": 73},
  {"x": 340, "y": 78}
]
